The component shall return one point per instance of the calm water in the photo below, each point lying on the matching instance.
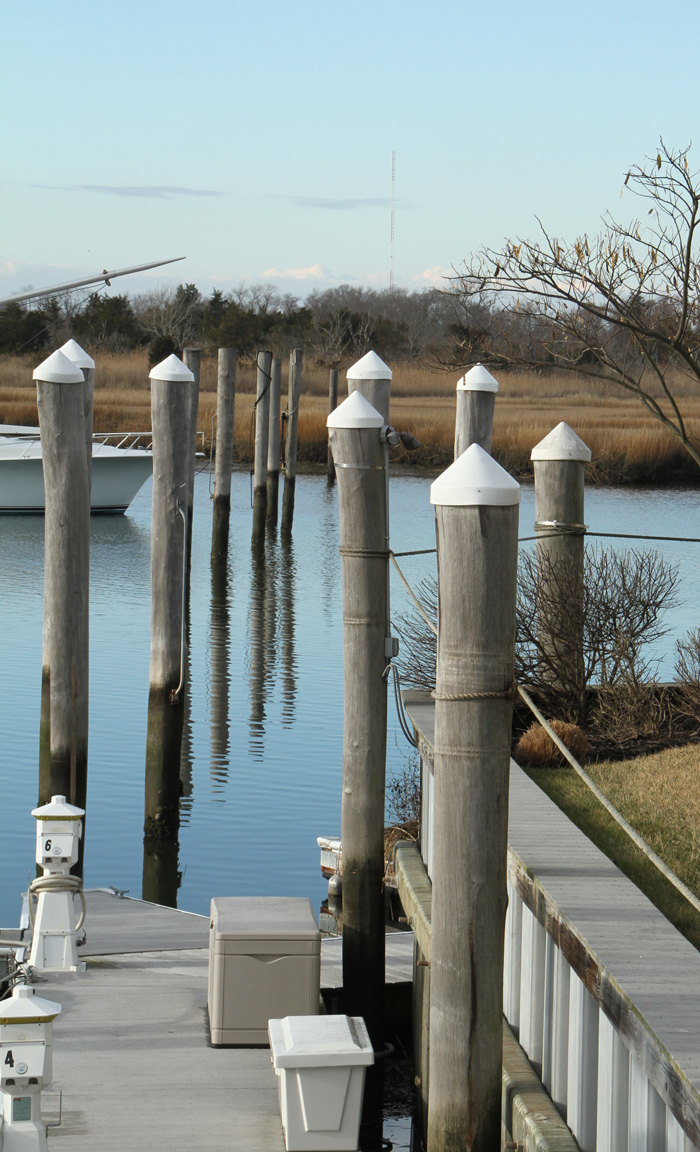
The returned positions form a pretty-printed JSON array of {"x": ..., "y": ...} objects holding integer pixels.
[{"x": 262, "y": 765}]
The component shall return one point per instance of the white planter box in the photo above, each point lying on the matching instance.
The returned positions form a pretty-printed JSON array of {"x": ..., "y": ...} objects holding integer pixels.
[{"x": 320, "y": 1063}]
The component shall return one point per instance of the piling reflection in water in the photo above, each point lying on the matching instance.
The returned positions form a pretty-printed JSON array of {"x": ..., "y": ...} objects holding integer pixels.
[
  {"x": 271, "y": 635},
  {"x": 220, "y": 673}
]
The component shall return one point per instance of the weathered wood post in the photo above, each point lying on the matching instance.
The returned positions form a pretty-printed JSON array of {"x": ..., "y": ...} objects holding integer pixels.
[
  {"x": 65, "y": 673},
  {"x": 296, "y": 359},
  {"x": 80, "y": 358},
  {"x": 332, "y": 405},
  {"x": 171, "y": 404},
  {"x": 559, "y": 465},
  {"x": 192, "y": 359},
  {"x": 476, "y": 397},
  {"x": 273, "y": 445},
  {"x": 476, "y": 518},
  {"x": 360, "y": 458},
  {"x": 372, "y": 377},
  {"x": 225, "y": 402},
  {"x": 262, "y": 424}
]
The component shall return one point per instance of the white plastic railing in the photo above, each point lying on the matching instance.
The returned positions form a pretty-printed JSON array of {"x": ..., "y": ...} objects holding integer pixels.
[{"x": 600, "y": 1089}]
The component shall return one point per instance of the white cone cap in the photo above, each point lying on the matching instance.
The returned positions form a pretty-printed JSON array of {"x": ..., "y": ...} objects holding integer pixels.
[
  {"x": 370, "y": 367},
  {"x": 475, "y": 478},
  {"x": 58, "y": 369},
  {"x": 58, "y": 809},
  {"x": 171, "y": 369},
  {"x": 24, "y": 1006},
  {"x": 478, "y": 379},
  {"x": 78, "y": 355},
  {"x": 355, "y": 412},
  {"x": 562, "y": 443}
]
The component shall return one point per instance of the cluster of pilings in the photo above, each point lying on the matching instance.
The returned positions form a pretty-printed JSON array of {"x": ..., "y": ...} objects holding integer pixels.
[
  {"x": 476, "y": 519},
  {"x": 476, "y": 516}
]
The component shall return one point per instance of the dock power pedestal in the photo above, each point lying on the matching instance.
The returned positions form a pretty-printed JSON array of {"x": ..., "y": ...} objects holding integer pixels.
[
  {"x": 55, "y": 925},
  {"x": 26, "y": 1042}
]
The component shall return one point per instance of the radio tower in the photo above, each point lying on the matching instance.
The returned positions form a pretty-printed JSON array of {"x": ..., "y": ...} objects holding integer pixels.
[{"x": 393, "y": 213}]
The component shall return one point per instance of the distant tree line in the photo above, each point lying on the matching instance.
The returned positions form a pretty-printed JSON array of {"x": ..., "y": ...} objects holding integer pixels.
[{"x": 336, "y": 325}]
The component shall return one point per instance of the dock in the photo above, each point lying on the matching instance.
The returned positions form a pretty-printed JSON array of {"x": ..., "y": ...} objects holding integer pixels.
[{"x": 132, "y": 1055}]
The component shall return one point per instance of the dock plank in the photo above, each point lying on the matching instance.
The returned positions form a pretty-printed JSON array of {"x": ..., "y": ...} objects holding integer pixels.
[{"x": 132, "y": 1054}]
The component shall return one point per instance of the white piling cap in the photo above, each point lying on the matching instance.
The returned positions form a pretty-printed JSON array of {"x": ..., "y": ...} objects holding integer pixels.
[
  {"x": 25, "y": 1007},
  {"x": 370, "y": 367},
  {"x": 172, "y": 370},
  {"x": 58, "y": 369},
  {"x": 478, "y": 379},
  {"x": 475, "y": 478},
  {"x": 562, "y": 443},
  {"x": 58, "y": 809},
  {"x": 355, "y": 412},
  {"x": 78, "y": 355}
]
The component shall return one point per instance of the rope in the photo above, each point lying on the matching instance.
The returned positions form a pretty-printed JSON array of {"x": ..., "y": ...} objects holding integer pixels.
[
  {"x": 407, "y": 586},
  {"x": 378, "y": 553},
  {"x": 508, "y": 693},
  {"x": 72, "y": 884},
  {"x": 617, "y": 816}
]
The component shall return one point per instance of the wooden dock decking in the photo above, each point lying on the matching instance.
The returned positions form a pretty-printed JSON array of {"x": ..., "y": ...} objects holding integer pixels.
[
  {"x": 640, "y": 971},
  {"x": 131, "y": 1046}
]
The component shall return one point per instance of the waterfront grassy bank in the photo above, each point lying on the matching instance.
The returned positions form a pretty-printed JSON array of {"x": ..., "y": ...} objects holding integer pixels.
[{"x": 629, "y": 446}]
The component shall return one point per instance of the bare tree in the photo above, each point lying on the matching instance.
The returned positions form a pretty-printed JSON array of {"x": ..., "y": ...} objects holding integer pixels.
[
  {"x": 619, "y": 615},
  {"x": 622, "y": 307}
]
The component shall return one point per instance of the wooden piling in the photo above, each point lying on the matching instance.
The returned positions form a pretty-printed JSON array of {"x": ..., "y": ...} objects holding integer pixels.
[
  {"x": 476, "y": 396},
  {"x": 192, "y": 359},
  {"x": 273, "y": 444},
  {"x": 559, "y": 466},
  {"x": 476, "y": 513},
  {"x": 262, "y": 425},
  {"x": 332, "y": 405},
  {"x": 82, "y": 360},
  {"x": 372, "y": 378},
  {"x": 296, "y": 359},
  {"x": 225, "y": 403},
  {"x": 360, "y": 459},
  {"x": 172, "y": 385},
  {"x": 65, "y": 674}
]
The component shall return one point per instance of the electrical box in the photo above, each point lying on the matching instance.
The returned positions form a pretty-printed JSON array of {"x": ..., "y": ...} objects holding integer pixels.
[
  {"x": 264, "y": 961},
  {"x": 320, "y": 1063}
]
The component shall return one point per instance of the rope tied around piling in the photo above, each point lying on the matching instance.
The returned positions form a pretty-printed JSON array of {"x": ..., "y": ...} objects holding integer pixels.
[
  {"x": 508, "y": 693},
  {"x": 376, "y": 553}
]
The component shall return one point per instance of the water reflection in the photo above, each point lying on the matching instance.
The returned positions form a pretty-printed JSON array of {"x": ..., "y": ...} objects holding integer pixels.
[
  {"x": 220, "y": 673},
  {"x": 271, "y": 635}
]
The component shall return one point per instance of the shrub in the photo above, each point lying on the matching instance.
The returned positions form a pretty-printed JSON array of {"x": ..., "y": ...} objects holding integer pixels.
[{"x": 537, "y": 748}]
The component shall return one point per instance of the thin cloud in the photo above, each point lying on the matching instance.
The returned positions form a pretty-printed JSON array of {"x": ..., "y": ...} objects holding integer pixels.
[
  {"x": 332, "y": 204},
  {"x": 149, "y": 191},
  {"x": 313, "y": 272}
]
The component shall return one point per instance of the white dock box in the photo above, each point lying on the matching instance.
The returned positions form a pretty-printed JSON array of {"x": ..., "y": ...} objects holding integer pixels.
[
  {"x": 264, "y": 961},
  {"x": 320, "y": 1064}
]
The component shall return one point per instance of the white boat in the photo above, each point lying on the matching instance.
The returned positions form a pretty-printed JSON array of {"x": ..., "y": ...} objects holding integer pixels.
[{"x": 120, "y": 467}]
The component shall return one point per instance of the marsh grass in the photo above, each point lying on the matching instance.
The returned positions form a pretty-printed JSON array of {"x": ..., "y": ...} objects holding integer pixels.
[
  {"x": 660, "y": 796},
  {"x": 628, "y": 445}
]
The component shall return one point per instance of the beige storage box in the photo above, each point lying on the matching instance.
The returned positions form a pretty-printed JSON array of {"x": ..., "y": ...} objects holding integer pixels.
[{"x": 264, "y": 963}]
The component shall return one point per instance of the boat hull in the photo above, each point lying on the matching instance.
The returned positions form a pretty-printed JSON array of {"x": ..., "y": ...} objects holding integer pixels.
[{"x": 115, "y": 482}]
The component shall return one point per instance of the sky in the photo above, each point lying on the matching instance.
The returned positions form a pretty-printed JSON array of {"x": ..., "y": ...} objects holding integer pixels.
[{"x": 256, "y": 139}]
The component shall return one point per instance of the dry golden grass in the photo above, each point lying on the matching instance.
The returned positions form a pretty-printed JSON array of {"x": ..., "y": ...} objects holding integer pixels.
[
  {"x": 626, "y": 442},
  {"x": 660, "y": 796}
]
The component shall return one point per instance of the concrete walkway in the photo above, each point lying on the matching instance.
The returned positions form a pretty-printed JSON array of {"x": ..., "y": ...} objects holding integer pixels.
[{"x": 132, "y": 1055}]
